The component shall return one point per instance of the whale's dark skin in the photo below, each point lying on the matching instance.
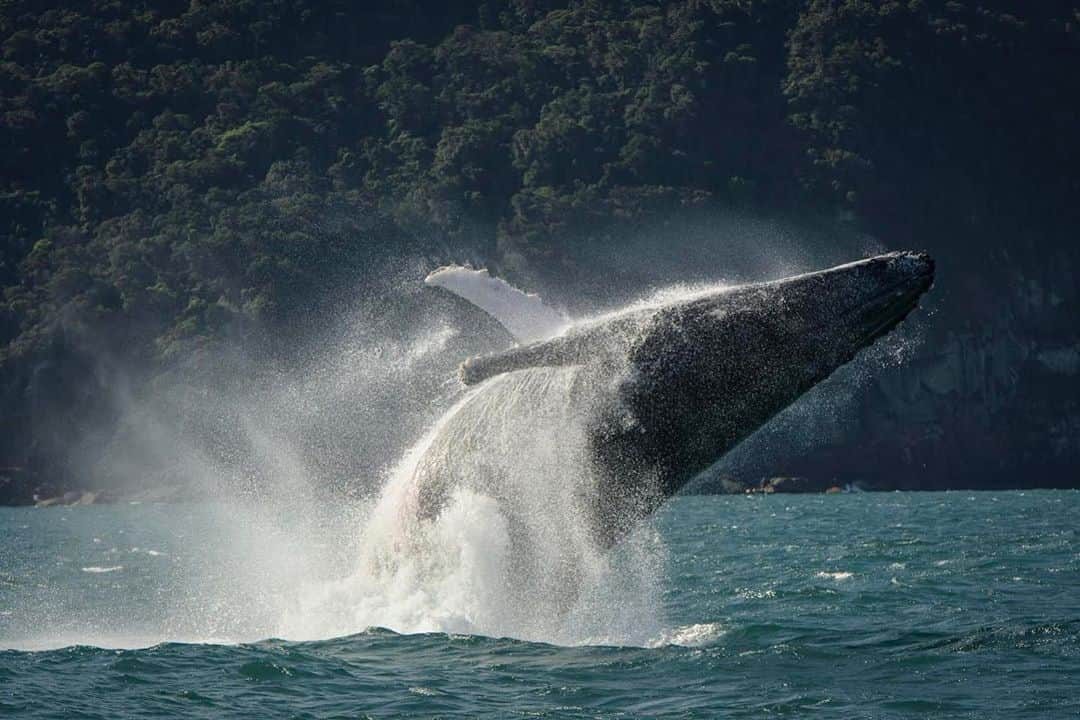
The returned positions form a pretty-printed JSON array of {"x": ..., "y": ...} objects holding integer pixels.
[{"x": 696, "y": 376}]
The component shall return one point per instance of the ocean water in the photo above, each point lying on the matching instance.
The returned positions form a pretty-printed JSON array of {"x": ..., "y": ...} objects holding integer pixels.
[{"x": 916, "y": 605}]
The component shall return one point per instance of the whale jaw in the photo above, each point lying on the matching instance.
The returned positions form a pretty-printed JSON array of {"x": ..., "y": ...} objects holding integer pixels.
[{"x": 708, "y": 372}]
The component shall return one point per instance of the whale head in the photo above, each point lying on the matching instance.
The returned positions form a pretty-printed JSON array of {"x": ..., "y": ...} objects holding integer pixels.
[{"x": 707, "y": 372}]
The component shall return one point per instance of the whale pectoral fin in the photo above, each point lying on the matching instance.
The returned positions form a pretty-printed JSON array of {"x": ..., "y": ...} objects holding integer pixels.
[
  {"x": 562, "y": 351},
  {"x": 525, "y": 316}
]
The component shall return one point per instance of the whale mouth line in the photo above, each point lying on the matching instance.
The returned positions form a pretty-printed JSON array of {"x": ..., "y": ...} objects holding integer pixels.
[{"x": 908, "y": 292}]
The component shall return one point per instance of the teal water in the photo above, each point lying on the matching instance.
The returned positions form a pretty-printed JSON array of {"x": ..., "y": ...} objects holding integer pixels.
[{"x": 962, "y": 605}]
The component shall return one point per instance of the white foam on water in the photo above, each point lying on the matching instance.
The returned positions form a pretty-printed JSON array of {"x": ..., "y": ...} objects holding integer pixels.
[
  {"x": 839, "y": 575},
  {"x": 696, "y": 635}
]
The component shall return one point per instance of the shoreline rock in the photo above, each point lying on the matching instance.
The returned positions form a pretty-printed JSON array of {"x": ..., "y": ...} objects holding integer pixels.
[
  {"x": 797, "y": 484},
  {"x": 781, "y": 484},
  {"x": 70, "y": 498}
]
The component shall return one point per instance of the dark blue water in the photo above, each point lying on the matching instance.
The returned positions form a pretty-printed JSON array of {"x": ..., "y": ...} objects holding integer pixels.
[{"x": 855, "y": 606}]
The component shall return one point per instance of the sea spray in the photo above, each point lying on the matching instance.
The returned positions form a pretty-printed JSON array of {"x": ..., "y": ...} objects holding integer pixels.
[
  {"x": 509, "y": 551},
  {"x": 483, "y": 526}
]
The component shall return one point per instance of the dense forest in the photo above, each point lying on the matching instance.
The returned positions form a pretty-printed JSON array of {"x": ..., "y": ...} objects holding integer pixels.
[{"x": 178, "y": 174}]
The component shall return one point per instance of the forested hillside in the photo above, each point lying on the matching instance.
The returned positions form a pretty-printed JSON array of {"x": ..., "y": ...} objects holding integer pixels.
[{"x": 177, "y": 175}]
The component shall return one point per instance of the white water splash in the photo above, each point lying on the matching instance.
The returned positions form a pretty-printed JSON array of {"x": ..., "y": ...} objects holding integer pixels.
[
  {"x": 511, "y": 553},
  {"x": 838, "y": 575},
  {"x": 695, "y": 635}
]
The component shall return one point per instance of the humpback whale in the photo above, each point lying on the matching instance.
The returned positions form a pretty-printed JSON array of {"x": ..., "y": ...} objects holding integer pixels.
[{"x": 656, "y": 394}]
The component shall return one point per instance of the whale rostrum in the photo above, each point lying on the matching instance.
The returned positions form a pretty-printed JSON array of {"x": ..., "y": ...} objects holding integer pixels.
[{"x": 662, "y": 392}]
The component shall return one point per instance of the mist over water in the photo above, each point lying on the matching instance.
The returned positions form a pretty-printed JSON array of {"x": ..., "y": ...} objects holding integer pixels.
[
  {"x": 272, "y": 554},
  {"x": 512, "y": 557}
]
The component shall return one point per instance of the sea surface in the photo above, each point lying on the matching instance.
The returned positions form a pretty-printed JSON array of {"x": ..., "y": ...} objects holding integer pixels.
[{"x": 916, "y": 605}]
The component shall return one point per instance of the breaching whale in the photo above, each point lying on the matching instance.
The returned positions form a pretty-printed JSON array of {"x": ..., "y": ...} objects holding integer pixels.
[{"x": 660, "y": 393}]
